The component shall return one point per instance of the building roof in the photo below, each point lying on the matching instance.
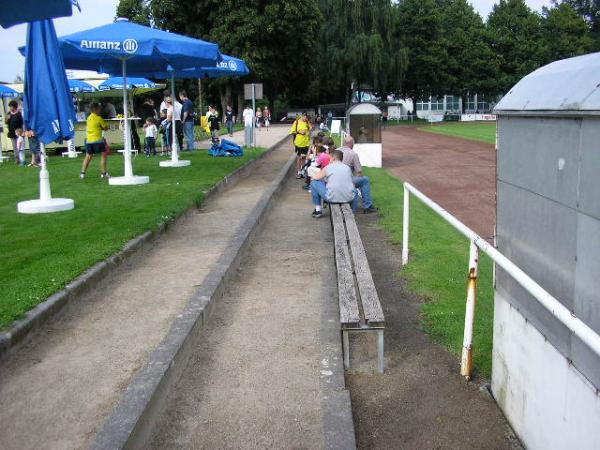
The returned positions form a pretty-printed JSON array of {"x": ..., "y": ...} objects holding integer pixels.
[
  {"x": 364, "y": 108},
  {"x": 569, "y": 85}
]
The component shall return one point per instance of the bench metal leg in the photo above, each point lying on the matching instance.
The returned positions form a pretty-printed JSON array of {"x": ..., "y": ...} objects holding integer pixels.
[
  {"x": 380, "y": 350},
  {"x": 346, "y": 349}
]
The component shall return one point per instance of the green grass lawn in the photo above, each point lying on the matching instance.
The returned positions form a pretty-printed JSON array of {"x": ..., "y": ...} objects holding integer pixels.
[
  {"x": 475, "y": 131},
  {"x": 437, "y": 271},
  {"x": 40, "y": 254}
]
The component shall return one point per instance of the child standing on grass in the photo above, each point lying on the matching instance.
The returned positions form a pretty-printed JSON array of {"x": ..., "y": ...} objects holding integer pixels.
[
  {"x": 150, "y": 132},
  {"x": 34, "y": 148},
  {"x": 20, "y": 149}
]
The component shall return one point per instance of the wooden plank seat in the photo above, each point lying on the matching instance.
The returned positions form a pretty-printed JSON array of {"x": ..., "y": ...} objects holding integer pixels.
[{"x": 360, "y": 309}]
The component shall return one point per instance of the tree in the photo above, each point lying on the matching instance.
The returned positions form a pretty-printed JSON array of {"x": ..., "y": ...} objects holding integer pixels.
[
  {"x": 135, "y": 10},
  {"x": 358, "y": 48},
  {"x": 565, "y": 32},
  {"x": 471, "y": 64},
  {"x": 418, "y": 29},
  {"x": 517, "y": 40},
  {"x": 590, "y": 11}
]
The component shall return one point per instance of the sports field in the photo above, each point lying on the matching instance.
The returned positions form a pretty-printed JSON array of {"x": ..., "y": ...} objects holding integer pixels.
[
  {"x": 475, "y": 131},
  {"x": 40, "y": 254},
  {"x": 437, "y": 271}
]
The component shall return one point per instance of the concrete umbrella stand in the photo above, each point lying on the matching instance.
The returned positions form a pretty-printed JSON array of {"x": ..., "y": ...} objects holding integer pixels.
[{"x": 45, "y": 204}]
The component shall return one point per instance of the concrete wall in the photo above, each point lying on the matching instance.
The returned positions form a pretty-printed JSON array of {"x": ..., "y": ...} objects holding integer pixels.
[{"x": 548, "y": 402}]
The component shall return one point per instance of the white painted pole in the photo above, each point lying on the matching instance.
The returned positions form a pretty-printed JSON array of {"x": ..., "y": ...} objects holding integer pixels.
[
  {"x": 554, "y": 307},
  {"x": 405, "y": 225},
  {"x": 175, "y": 143},
  {"x": 254, "y": 115},
  {"x": 466, "y": 364},
  {"x": 127, "y": 135},
  {"x": 45, "y": 192},
  {"x": 174, "y": 161}
]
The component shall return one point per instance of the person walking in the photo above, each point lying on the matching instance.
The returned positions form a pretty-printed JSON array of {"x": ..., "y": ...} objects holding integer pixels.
[
  {"x": 187, "y": 109},
  {"x": 258, "y": 118},
  {"x": 248, "y": 115},
  {"x": 229, "y": 119},
  {"x": 94, "y": 143},
  {"x": 266, "y": 115},
  {"x": 214, "y": 124},
  {"x": 34, "y": 148},
  {"x": 14, "y": 120}
]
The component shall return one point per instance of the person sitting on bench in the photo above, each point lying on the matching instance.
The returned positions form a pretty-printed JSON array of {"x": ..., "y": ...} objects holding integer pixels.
[
  {"x": 333, "y": 184},
  {"x": 361, "y": 182}
]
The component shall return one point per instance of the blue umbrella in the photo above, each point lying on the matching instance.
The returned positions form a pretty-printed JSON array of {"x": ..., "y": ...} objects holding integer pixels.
[
  {"x": 122, "y": 46},
  {"x": 47, "y": 106},
  {"x": 145, "y": 49},
  {"x": 78, "y": 87},
  {"x": 13, "y": 13},
  {"x": 228, "y": 67},
  {"x": 6, "y": 91},
  {"x": 132, "y": 83}
]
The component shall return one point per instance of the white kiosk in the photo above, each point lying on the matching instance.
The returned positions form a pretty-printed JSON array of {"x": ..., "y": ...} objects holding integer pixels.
[{"x": 364, "y": 125}]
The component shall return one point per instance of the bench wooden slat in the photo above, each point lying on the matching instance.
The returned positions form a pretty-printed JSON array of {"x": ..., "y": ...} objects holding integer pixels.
[
  {"x": 348, "y": 299},
  {"x": 366, "y": 285}
]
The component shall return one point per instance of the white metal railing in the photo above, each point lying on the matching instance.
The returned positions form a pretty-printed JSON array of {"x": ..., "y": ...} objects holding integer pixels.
[{"x": 552, "y": 305}]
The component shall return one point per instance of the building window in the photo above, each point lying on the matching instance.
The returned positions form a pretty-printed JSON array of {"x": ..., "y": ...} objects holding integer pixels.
[
  {"x": 437, "y": 104},
  {"x": 452, "y": 103},
  {"x": 471, "y": 106},
  {"x": 422, "y": 106}
]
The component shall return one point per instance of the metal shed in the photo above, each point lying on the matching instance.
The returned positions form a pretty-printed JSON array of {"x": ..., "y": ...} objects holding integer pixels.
[{"x": 548, "y": 223}]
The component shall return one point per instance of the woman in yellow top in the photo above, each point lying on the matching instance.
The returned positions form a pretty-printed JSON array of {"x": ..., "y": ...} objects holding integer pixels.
[
  {"x": 94, "y": 142},
  {"x": 301, "y": 132}
]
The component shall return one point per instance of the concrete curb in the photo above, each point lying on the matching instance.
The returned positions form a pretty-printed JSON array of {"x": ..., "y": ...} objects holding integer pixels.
[
  {"x": 21, "y": 330},
  {"x": 131, "y": 423},
  {"x": 338, "y": 424}
]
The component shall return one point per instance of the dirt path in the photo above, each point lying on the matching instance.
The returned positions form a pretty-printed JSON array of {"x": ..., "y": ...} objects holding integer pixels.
[
  {"x": 256, "y": 383},
  {"x": 58, "y": 389},
  {"x": 457, "y": 173},
  {"x": 421, "y": 402}
]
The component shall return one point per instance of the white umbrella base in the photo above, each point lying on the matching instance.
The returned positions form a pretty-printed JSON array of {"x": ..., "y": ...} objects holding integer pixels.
[
  {"x": 45, "y": 206},
  {"x": 171, "y": 163},
  {"x": 129, "y": 181}
]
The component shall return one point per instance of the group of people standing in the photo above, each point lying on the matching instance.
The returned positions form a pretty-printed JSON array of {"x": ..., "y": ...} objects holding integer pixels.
[{"x": 333, "y": 175}]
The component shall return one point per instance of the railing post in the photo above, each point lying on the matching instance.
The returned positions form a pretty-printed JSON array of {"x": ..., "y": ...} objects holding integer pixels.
[
  {"x": 405, "y": 225},
  {"x": 466, "y": 364}
]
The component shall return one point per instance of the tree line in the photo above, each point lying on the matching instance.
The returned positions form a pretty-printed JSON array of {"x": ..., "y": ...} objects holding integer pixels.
[{"x": 307, "y": 52}]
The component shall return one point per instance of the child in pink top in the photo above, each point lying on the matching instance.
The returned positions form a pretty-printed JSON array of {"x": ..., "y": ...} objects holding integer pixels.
[{"x": 323, "y": 157}]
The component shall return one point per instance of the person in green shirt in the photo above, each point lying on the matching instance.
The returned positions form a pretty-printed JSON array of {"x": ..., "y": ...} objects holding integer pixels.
[{"x": 94, "y": 142}]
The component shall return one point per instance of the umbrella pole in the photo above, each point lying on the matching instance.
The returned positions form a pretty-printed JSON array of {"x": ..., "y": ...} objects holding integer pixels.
[
  {"x": 175, "y": 161},
  {"x": 127, "y": 152},
  {"x": 45, "y": 192},
  {"x": 175, "y": 145},
  {"x": 129, "y": 178}
]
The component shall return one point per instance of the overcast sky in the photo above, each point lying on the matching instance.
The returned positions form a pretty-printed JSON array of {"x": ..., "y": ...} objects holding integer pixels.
[{"x": 99, "y": 12}]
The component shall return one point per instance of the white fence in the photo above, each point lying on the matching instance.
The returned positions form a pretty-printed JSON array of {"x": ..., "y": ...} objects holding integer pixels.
[{"x": 552, "y": 305}]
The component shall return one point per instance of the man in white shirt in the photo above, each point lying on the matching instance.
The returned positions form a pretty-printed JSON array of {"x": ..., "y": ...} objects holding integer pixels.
[{"x": 248, "y": 115}]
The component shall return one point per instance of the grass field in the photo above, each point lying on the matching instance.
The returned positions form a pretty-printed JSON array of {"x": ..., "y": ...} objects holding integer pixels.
[
  {"x": 437, "y": 271},
  {"x": 475, "y": 131},
  {"x": 39, "y": 254}
]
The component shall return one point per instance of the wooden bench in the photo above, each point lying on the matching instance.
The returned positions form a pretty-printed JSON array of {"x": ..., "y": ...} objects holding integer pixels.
[{"x": 360, "y": 309}]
